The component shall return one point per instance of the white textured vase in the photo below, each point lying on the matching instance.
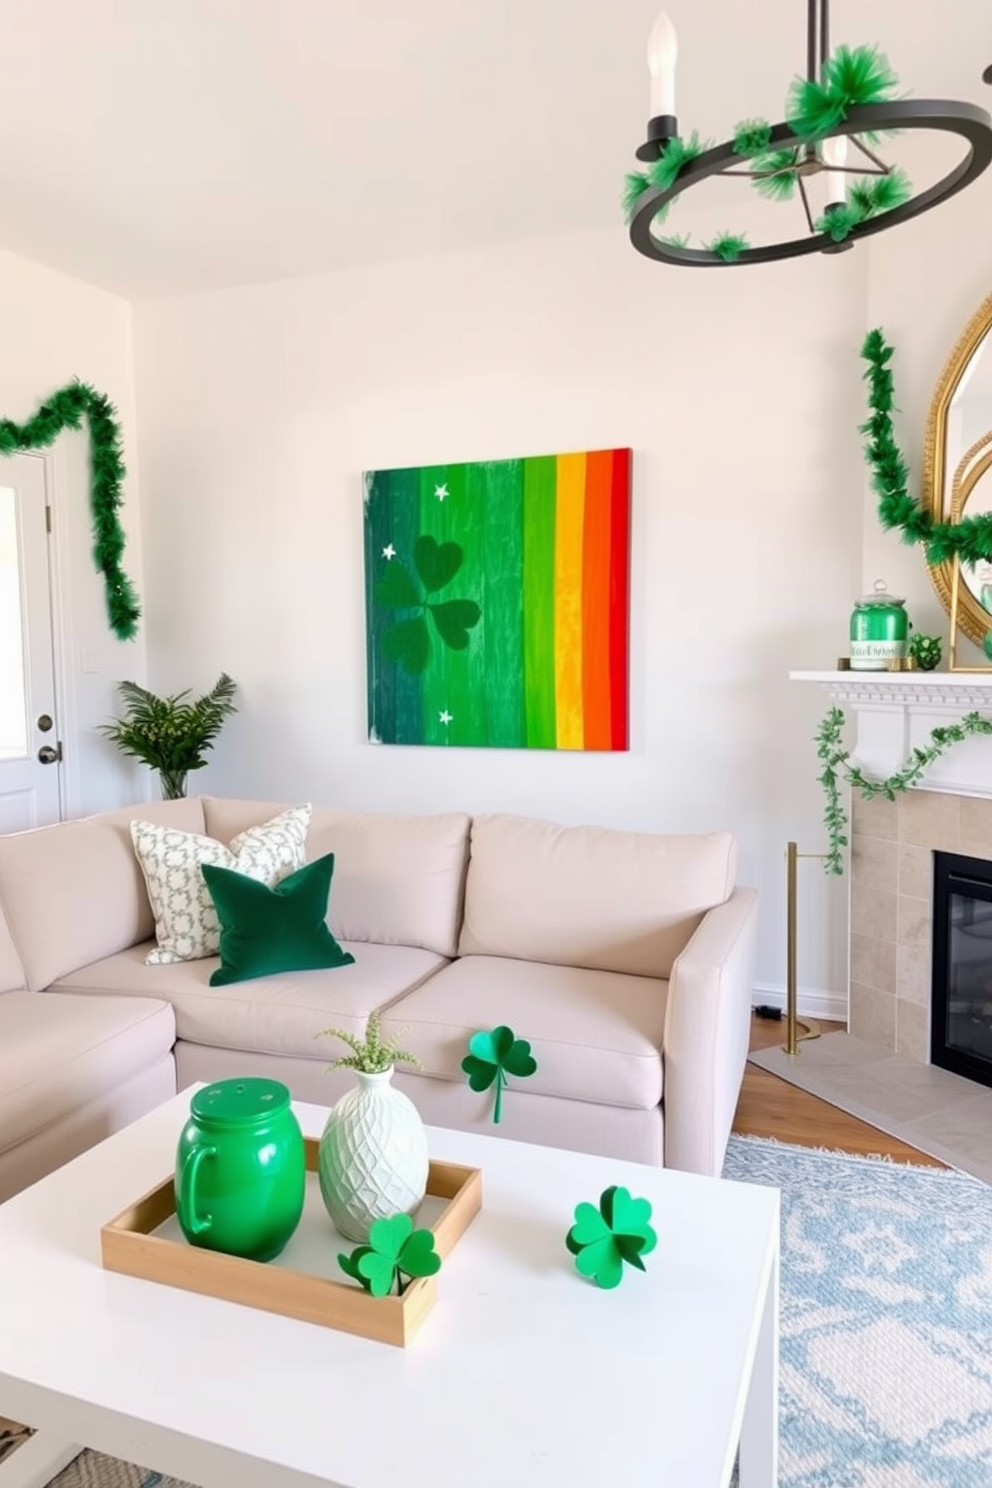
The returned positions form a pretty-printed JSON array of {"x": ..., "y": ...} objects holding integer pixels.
[{"x": 373, "y": 1156}]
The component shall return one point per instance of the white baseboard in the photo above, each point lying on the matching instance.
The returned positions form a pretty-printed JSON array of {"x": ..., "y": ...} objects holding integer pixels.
[{"x": 831, "y": 1006}]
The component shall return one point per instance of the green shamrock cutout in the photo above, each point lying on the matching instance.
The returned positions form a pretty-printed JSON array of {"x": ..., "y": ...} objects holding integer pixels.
[
  {"x": 493, "y": 1056},
  {"x": 602, "y": 1239},
  {"x": 395, "y": 1250},
  {"x": 408, "y": 641}
]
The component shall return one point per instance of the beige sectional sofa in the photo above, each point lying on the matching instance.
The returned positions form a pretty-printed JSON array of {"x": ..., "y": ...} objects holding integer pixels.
[{"x": 625, "y": 958}]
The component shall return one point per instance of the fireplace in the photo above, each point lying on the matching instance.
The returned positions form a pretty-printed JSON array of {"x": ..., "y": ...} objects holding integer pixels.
[{"x": 961, "y": 984}]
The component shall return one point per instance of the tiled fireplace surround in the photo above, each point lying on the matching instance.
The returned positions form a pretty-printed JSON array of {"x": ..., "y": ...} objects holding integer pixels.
[
  {"x": 892, "y": 848},
  {"x": 892, "y": 842}
]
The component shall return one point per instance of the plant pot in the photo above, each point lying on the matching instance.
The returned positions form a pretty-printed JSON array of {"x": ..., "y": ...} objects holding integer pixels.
[
  {"x": 173, "y": 783},
  {"x": 373, "y": 1157}
]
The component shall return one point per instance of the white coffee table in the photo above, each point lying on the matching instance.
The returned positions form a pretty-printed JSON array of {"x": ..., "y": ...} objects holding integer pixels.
[{"x": 523, "y": 1376}]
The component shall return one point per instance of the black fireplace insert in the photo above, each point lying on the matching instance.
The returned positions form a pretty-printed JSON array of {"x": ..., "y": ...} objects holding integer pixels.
[{"x": 961, "y": 995}]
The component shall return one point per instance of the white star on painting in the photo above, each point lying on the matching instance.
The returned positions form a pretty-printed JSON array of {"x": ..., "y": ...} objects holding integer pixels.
[
  {"x": 445, "y": 717},
  {"x": 389, "y": 552},
  {"x": 441, "y": 491}
]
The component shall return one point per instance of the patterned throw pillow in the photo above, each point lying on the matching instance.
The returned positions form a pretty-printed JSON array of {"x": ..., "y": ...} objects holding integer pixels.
[{"x": 186, "y": 923}]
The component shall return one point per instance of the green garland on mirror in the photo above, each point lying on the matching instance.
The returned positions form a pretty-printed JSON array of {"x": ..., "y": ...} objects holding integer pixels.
[
  {"x": 836, "y": 763},
  {"x": 67, "y": 409},
  {"x": 970, "y": 540}
]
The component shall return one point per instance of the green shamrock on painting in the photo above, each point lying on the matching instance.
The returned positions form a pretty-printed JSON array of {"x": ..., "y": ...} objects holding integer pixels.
[
  {"x": 492, "y": 1056},
  {"x": 395, "y": 1250},
  {"x": 408, "y": 642},
  {"x": 602, "y": 1239}
]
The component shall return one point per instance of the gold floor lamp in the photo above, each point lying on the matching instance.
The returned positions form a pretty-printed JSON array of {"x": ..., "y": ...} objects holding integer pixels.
[{"x": 810, "y": 1029}]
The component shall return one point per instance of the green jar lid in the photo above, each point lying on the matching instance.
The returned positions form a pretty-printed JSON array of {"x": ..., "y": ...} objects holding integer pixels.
[{"x": 236, "y": 1101}]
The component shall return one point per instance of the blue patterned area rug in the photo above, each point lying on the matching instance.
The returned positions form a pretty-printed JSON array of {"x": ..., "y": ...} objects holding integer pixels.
[{"x": 886, "y": 1319}]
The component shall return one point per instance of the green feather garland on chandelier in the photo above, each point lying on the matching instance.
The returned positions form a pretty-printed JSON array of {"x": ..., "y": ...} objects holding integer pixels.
[
  {"x": 851, "y": 76},
  {"x": 728, "y": 246},
  {"x": 869, "y": 198},
  {"x": 678, "y": 153},
  {"x": 752, "y": 137},
  {"x": 67, "y": 409},
  {"x": 775, "y": 176},
  {"x": 634, "y": 187}
]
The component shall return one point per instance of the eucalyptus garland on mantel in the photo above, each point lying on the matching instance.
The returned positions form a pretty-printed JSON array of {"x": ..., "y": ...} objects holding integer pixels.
[
  {"x": 67, "y": 409},
  {"x": 837, "y": 762}
]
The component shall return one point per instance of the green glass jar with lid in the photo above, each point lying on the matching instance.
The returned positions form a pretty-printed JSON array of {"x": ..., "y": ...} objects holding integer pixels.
[
  {"x": 879, "y": 630},
  {"x": 241, "y": 1169}
]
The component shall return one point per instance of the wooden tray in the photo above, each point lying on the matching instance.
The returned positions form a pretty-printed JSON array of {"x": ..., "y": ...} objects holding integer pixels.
[{"x": 130, "y": 1245}]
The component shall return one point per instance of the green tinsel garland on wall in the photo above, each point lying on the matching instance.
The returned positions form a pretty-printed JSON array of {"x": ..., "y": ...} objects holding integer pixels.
[{"x": 67, "y": 409}]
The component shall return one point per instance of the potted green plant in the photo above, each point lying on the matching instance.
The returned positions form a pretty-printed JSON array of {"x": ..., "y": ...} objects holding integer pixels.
[
  {"x": 172, "y": 733},
  {"x": 373, "y": 1152}
]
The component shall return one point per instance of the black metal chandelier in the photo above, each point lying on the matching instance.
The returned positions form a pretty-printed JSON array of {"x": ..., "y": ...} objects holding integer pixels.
[{"x": 829, "y": 148}]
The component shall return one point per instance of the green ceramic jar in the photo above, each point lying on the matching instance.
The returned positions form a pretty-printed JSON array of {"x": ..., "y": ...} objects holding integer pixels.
[
  {"x": 879, "y": 630},
  {"x": 241, "y": 1169}
]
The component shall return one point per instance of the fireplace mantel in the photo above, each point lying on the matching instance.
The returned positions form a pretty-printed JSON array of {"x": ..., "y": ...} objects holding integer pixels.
[{"x": 894, "y": 713}]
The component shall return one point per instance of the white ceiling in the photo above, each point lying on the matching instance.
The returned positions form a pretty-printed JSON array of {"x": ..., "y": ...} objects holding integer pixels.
[{"x": 164, "y": 146}]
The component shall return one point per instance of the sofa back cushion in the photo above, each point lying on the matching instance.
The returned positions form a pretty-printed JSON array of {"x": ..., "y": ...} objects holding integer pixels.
[
  {"x": 11, "y": 971},
  {"x": 73, "y": 893},
  {"x": 590, "y": 896},
  {"x": 398, "y": 880}
]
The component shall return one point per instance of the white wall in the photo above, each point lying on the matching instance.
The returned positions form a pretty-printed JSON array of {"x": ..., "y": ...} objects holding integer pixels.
[
  {"x": 740, "y": 395},
  {"x": 54, "y": 329}
]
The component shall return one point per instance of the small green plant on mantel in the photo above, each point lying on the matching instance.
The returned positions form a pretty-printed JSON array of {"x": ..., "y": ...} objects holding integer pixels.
[
  {"x": 836, "y": 762},
  {"x": 371, "y": 1055},
  {"x": 171, "y": 734}
]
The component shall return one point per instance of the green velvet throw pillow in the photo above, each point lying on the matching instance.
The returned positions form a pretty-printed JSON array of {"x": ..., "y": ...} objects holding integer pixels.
[{"x": 265, "y": 930}]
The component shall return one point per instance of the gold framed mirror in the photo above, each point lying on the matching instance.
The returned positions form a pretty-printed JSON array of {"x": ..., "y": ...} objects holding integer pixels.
[{"x": 957, "y": 464}]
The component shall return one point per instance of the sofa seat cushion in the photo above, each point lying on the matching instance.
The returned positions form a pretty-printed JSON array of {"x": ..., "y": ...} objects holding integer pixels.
[
  {"x": 596, "y": 1035},
  {"x": 279, "y": 1014},
  {"x": 57, "y": 1053}
]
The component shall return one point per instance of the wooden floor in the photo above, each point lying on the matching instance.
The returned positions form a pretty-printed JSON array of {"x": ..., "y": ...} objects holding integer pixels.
[{"x": 770, "y": 1107}]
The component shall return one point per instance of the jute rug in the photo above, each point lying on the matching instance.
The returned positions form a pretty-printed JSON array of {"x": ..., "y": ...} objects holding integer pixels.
[{"x": 886, "y": 1326}]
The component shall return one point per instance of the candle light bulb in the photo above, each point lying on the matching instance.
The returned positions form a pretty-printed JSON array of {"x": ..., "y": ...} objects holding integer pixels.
[
  {"x": 834, "y": 152},
  {"x": 663, "y": 51}
]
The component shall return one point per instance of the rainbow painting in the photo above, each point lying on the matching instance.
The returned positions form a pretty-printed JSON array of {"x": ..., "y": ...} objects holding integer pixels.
[{"x": 497, "y": 602}]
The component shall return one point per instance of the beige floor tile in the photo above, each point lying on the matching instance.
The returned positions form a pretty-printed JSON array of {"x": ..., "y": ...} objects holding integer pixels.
[
  {"x": 889, "y": 1100},
  {"x": 845, "y": 1050},
  {"x": 965, "y": 1128}
]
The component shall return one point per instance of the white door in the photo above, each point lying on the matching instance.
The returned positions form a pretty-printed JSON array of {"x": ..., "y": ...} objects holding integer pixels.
[{"x": 30, "y": 752}]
